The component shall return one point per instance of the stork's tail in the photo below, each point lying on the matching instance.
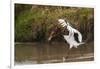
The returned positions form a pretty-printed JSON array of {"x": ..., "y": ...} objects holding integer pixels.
[{"x": 81, "y": 43}]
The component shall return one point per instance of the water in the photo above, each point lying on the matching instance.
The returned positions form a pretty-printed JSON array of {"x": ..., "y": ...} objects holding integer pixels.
[{"x": 39, "y": 53}]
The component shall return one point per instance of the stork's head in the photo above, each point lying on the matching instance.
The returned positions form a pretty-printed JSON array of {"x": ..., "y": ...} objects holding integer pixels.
[{"x": 62, "y": 22}]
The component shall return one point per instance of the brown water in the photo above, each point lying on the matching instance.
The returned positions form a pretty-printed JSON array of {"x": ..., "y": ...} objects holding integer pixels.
[{"x": 38, "y": 53}]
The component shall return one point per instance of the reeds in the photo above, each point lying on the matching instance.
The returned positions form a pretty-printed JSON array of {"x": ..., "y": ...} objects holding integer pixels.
[{"x": 35, "y": 22}]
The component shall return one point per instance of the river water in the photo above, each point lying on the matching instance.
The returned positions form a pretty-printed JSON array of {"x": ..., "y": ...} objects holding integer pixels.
[{"x": 40, "y": 53}]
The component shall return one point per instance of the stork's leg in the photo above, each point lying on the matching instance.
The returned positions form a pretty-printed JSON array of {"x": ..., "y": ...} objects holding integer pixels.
[
  {"x": 68, "y": 52},
  {"x": 81, "y": 50},
  {"x": 70, "y": 47}
]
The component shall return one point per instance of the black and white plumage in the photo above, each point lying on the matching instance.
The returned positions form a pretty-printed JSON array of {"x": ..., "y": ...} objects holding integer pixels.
[{"x": 74, "y": 38}]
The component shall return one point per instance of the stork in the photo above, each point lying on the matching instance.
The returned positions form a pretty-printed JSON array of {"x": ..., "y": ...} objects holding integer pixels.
[{"x": 74, "y": 38}]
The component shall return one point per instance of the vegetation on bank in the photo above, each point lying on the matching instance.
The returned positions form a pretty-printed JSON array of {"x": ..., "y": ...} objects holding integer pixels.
[{"x": 33, "y": 22}]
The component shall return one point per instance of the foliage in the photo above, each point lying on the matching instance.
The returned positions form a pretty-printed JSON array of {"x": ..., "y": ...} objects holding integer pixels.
[{"x": 33, "y": 22}]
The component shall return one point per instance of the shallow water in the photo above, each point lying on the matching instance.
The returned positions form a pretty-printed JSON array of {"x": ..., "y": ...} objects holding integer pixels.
[{"x": 38, "y": 53}]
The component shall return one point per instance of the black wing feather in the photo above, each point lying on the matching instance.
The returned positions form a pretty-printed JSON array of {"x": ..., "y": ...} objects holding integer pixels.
[{"x": 76, "y": 37}]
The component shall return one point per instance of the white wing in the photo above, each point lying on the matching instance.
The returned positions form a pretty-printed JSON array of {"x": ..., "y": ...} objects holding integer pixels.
[{"x": 72, "y": 31}]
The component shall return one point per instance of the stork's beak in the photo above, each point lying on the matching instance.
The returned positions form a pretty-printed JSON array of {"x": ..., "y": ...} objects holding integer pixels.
[
  {"x": 49, "y": 38},
  {"x": 51, "y": 35}
]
